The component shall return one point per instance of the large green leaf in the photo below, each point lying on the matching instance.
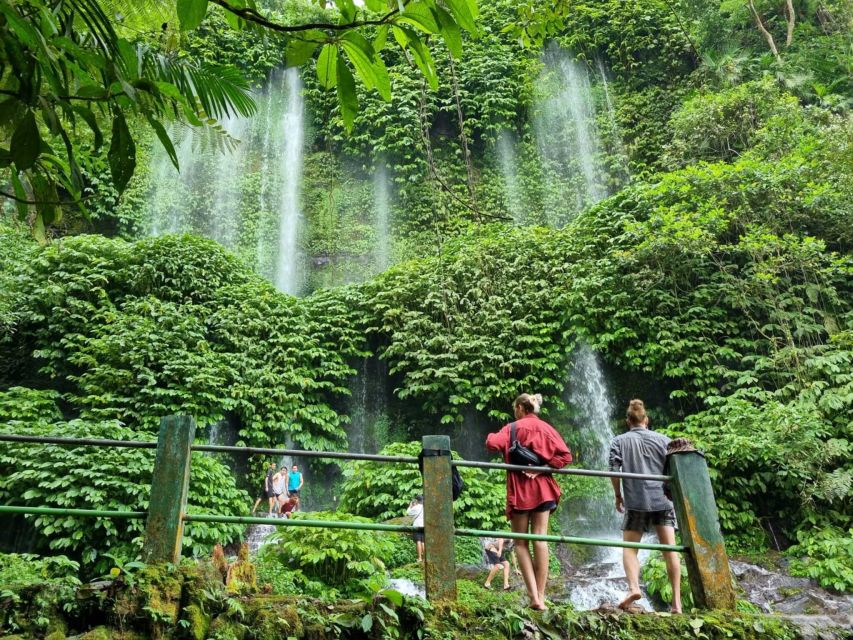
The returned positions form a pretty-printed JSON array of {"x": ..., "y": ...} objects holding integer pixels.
[
  {"x": 419, "y": 15},
  {"x": 191, "y": 13},
  {"x": 450, "y": 32},
  {"x": 327, "y": 66},
  {"x": 464, "y": 13},
  {"x": 299, "y": 49},
  {"x": 360, "y": 53},
  {"x": 165, "y": 140},
  {"x": 383, "y": 81},
  {"x": 122, "y": 153},
  {"x": 346, "y": 93},
  {"x": 26, "y": 142}
]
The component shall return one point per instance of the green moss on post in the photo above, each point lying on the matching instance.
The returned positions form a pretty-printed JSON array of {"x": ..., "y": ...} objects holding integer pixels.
[
  {"x": 439, "y": 562},
  {"x": 707, "y": 563},
  {"x": 164, "y": 529}
]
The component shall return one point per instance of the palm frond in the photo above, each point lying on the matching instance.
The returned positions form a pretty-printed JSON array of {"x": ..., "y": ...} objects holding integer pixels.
[{"x": 215, "y": 91}]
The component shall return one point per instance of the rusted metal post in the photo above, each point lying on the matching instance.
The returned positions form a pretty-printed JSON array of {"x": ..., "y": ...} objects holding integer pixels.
[
  {"x": 164, "y": 530},
  {"x": 707, "y": 563},
  {"x": 439, "y": 561}
]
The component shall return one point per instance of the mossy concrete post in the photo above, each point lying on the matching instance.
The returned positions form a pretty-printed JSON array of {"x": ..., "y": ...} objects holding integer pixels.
[
  {"x": 707, "y": 563},
  {"x": 439, "y": 561},
  {"x": 164, "y": 529}
]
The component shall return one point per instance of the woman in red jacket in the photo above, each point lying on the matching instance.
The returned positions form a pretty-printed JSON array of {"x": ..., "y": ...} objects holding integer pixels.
[{"x": 531, "y": 497}]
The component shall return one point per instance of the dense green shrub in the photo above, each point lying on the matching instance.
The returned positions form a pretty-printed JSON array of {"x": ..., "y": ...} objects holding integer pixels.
[
  {"x": 338, "y": 558},
  {"x": 825, "y": 555},
  {"x": 384, "y": 491},
  {"x": 110, "y": 479},
  {"x": 722, "y": 125}
]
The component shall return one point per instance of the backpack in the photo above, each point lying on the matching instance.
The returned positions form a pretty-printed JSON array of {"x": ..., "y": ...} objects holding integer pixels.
[{"x": 457, "y": 484}]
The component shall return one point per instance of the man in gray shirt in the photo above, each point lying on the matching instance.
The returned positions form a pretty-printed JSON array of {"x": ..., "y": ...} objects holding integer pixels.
[{"x": 643, "y": 501}]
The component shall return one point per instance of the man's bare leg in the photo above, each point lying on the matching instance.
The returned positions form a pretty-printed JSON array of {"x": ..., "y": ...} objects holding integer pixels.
[
  {"x": 632, "y": 569},
  {"x": 666, "y": 535}
]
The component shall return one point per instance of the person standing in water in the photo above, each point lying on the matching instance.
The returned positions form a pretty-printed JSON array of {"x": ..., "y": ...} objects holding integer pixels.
[
  {"x": 531, "y": 497},
  {"x": 294, "y": 483},
  {"x": 643, "y": 502},
  {"x": 416, "y": 511},
  {"x": 279, "y": 481},
  {"x": 267, "y": 489}
]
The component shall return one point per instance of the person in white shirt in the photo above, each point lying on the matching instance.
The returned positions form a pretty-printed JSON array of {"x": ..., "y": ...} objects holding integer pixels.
[{"x": 416, "y": 511}]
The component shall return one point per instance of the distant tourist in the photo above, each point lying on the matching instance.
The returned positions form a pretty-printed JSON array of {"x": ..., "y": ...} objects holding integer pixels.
[
  {"x": 643, "y": 502},
  {"x": 267, "y": 489},
  {"x": 497, "y": 550},
  {"x": 416, "y": 511},
  {"x": 289, "y": 506},
  {"x": 294, "y": 482},
  {"x": 531, "y": 496},
  {"x": 279, "y": 483}
]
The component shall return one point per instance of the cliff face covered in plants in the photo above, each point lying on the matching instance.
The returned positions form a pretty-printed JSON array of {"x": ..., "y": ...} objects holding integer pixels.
[{"x": 650, "y": 180}]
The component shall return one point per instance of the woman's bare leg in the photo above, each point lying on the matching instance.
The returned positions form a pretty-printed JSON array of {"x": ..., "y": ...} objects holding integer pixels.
[
  {"x": 520, "y": 523},
  {"x": 506, "y": 574},
  {"x": 492, "y": 571},
  {"x": 539, "y": 526}
]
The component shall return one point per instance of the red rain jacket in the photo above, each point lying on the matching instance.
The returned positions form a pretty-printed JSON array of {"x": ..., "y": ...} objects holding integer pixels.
[{"x": 523, "y": 493}]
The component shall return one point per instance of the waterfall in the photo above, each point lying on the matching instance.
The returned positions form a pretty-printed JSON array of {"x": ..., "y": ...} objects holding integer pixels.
[
  {"x": 246, "y": 196},
  {"x": 381, "y": 200},
  {"x": 600, "y": 579},
  {"x": 509, "y": 171},
  {"x": 290, "y": 168},
  {"x": 567, "y": 138},
  {"x": 615, "y": 132}
]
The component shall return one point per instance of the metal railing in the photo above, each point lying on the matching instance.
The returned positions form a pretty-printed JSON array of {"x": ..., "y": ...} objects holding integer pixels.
[{"x": 707, "y": 563}]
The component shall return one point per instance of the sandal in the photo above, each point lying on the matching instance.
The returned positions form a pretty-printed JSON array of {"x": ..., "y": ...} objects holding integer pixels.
[
  {"x": 508, "y": 587},
  {"x": 487, "y": 586}
]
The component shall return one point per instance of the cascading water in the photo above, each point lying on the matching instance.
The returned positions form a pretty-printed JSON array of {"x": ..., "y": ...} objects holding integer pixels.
[
  {"x": 600, "y": 578},
  {"x": 615, "y": 133},
  {"x": 290, "y": 168},
  {"x": 246, "y": 197},
  {"x": 382, "y": 204},
  {"x": 509, "y": 171},
  {"x": 567, "y": 137}
]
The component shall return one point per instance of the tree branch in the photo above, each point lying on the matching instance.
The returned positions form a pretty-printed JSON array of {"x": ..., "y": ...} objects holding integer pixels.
[
  {"x": 12, "y": 196},
  {"x": 791, "y": 17},
  {"x": 252, "y": 15},
  {"x": 767, "y": 35}
]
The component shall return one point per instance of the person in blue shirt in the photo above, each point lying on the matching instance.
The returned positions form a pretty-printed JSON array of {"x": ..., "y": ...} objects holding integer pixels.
[{"x": 294, "y": 482}]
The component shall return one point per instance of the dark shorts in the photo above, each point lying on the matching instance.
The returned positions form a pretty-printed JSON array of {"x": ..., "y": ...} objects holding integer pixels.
[
  {"x": 269, "y": 494},
  {"x": 647, "y": 520},
  {"x": 494, "y": 558},
  {"x": 549, "y": 505},
  {"x": 418, "y": 536}
]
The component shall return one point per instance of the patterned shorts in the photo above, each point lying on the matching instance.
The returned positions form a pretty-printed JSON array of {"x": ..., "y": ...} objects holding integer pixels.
[{"x": 648, "y": 520}]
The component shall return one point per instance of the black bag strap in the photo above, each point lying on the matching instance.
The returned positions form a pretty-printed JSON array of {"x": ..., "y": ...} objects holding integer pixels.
[
  {"x": 512, "y": 438},
  {"x": 431, "y": 453}
]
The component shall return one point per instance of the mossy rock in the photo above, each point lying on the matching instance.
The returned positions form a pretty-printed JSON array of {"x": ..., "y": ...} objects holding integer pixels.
[
  {"x": 199, "y": 621},
  {"x": 273, "y": 618},
  {"x": 199, "y": 579},
  {"x": 98, "y": 633},
  {"x": 224, "y": 629},
  {"x": 154, "y": 603},
  {"x": 55, "y": 635}
]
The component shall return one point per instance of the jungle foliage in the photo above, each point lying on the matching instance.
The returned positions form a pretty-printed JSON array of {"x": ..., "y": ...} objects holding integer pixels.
[{"x": 718, "y": 269}]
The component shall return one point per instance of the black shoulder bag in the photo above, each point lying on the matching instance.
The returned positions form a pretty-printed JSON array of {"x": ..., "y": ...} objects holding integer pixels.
[{"x": 519, "y": 454}]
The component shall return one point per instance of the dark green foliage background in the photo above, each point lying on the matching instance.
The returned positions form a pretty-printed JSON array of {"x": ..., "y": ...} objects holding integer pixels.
[{"x": 718, "y": 272}]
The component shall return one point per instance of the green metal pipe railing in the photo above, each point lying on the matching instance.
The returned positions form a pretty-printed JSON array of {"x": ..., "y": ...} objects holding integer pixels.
[
  {"x": 477, "y": 533},
  {"x": 302, "y": 522},
  {"x": 90, "y": 513},
  {"x": 209, "y": 448}
]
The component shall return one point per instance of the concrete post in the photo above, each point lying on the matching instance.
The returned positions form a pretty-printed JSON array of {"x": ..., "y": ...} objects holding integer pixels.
[
  {"x": 707, "y": 563},
  {"x": 164, "y": 529},
  {"x": 439, "y": 561}
]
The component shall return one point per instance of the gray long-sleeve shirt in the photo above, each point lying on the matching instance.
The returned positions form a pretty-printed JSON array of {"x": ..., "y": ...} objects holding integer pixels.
[{"x": 641, "y": 451}]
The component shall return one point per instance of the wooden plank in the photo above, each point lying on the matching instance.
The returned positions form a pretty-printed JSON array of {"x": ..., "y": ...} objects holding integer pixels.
[
  {"x": 439, "y": 560},
  {"x": 708, "y": 568},
  {"x": 164, "y": 529}
]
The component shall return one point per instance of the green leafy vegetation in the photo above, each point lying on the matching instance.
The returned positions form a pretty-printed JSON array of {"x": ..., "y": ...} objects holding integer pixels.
[{"x": 383, "y": 491}]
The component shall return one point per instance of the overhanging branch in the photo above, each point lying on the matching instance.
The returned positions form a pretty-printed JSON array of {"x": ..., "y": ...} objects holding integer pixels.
[{"x": 252, "y": 15}]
